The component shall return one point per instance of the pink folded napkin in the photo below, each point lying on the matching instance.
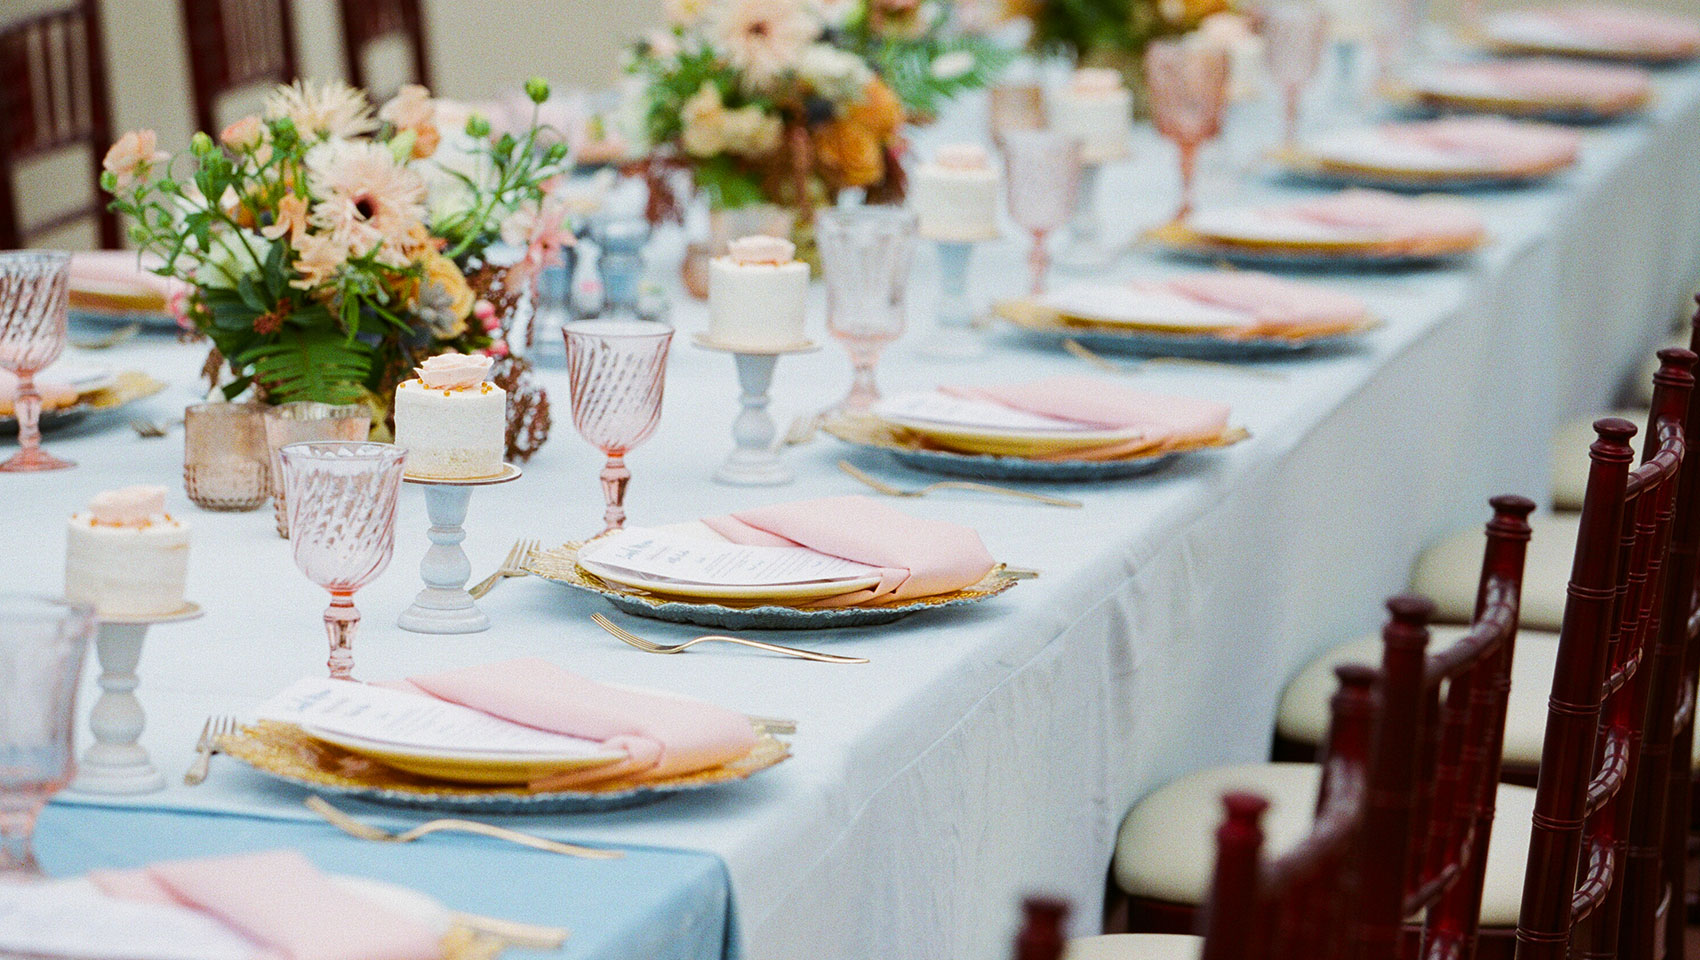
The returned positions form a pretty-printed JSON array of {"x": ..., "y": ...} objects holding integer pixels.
[
  {"x": 663, "y": 736},
  {"x": 283, "y": 903},
  {"x": 1562, "y": 81},
  {"x": 121, "y": 270},
  {"x": 1398, "y": 217},
  {"x": 1276, "y": 305},
  {"x": 53, "y": 393},
  {"x": 917, "y": 557},
  {"x": 1620, "y": 28},
  {"x": 1508, "y": 144},
  {"x": 1108, "y": 405}
]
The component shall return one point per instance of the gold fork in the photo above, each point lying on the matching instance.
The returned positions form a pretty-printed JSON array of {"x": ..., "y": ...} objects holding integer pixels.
[
  {"x": 1110, "y": 366},
  {"x": 648, "y": 646},
  {"x": 366, "y": 831},
  {"x": 512, "y": 566},
  {"x": 206, "y": 746},
  {"x": 892, "y": 491}
]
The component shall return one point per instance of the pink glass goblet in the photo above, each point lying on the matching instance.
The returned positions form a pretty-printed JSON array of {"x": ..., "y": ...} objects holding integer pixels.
[
  {"x": 1188, "y": 83},
  {"x": 34, "y": 296},
  {"x": 41, "y": 658},
  {"x": 617, "y": 371},
  {"x": 865, "y": 254},
  {"x": 342, "y": 499},
  {"x": 1295, "y": 32},
  {"x": 1042, "y": 178}
]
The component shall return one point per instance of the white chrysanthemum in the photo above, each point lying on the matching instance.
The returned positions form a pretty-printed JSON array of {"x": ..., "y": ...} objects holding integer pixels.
[
  {"x": 331, "y": 110},
  {"x": 763, "y": 38},
  {"x": 838, "y": 75}
]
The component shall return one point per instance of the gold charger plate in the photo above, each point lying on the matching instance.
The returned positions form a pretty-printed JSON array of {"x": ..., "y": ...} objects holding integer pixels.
[
  {"x": 285, "y": 752},
  {"x": 1029, "y": 314},
  {"x": 1554, "y": 110},
  {"x": 126, "y": 387},
  {"x": 561, "y": 566},
  {"x": 1181, "y": 240},
  {"x": 1306, "y": 163}
]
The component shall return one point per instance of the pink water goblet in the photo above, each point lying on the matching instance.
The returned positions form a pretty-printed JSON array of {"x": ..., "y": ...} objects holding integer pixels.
[
  {"x": 865, "y": 254},
  {"x": 1188, "y": 83},
  {"x": 1295, "y": 33},
  {"x": 341, "y": 498},
  {"x": 42, "y": 642},
  {"x": 34, "y": 296},
  {"x": 617, "y": 372},
  {"x": 1042, "y": 172}
]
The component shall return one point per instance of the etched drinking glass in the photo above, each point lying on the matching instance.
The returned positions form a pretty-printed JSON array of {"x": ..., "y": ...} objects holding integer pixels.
[
  {"x": 1295, "y": 32},
  {"x": 226, "y": 465},
  {"x": 342, "y": 501},
  {"x": 302, "y": 422},
  {"x": 865, "y": 257},
  {"x": 617, "y": 371},
  {"x": 34, "y": 295},
  {"x": 1042, "y": 176},
  {"x": 41, "y": 658},
  {"x": 1188, "y": 83}
]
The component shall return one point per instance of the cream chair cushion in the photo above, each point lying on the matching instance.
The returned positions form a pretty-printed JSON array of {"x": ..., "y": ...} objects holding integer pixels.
[
  {"x": 1136, "y": 946},
  {"x": 1570, "y": 456},
  {"x": 1167, "y": 850},
  {"x": 1448, "y": 571},
  {"x": 1304, "y": 706}
]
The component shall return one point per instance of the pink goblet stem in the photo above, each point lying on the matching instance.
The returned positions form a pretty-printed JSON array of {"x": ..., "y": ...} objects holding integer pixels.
[
  {"x": 1291, "y": 136},
  {"x": 17, "y": 826},
  {"x": 1039, "y": 261},
  {"x": 30, "y": 456},
  {"x": 341, "y": 620},
  {"x": 615, "y": 476},
  {"x": 1189, "y": 170}
]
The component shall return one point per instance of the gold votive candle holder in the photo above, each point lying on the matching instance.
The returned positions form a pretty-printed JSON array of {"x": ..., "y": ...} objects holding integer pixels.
[
  {"x": 226, "y": 465},
  {"x": 308, "y": 421}
]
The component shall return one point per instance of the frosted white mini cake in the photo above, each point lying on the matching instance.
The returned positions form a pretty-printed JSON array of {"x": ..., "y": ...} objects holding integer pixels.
[
  {"x": 452, "y": 423},
  {"x": 756, "y": 295},
  {"x": 956, "y": 195},
  {"x": 125, "y": 556},
  {"x": 1096, "y": 109}
]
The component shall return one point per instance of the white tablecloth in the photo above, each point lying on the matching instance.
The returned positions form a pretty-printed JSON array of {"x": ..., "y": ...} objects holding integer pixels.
[{"x": 990, "y": 751}]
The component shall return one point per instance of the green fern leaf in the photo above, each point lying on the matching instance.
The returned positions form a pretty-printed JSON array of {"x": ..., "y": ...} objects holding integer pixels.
[{"x": 316, "y": 364}]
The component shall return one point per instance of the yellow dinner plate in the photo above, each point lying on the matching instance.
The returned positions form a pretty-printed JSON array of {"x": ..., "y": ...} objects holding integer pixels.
[
  {"x": 818, "y": 590},
  {"x": 1003, "y": 442},
  {"x": 484, "y": 767}
]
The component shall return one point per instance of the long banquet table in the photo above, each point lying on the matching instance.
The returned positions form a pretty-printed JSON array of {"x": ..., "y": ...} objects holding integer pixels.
[{"x": 988, "y": 751}]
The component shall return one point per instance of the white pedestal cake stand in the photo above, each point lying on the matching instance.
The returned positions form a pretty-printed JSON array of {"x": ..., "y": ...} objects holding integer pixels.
[
  {"x": 953, "y": 336},
  {"x": 754, "y": 462},
  {"x": 116, "y": 763},
  {"x": 444, "y": 606}
]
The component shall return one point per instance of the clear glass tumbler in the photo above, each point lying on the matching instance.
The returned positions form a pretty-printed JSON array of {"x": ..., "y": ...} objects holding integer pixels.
[
  {"x": 42, "y": 642},
  {"x": 226, "y": 464},
  {"x": 34, "y": 297},
  {"x": 865, "y": 253},
  {"x": 342, "y": 501},
  {"x": 617, "y": 372}
]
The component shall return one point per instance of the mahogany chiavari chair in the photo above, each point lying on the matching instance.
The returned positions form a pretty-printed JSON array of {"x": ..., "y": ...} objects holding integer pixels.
[
  {"x": 1305, "y": 904},
  {"x": 53, "y": 97},
  {"x": 1433, "y": 774},
  {"x": 235, "y": 44},
  {"x": 1596, "y": 882},
  {"x": 365, "y": 22}
]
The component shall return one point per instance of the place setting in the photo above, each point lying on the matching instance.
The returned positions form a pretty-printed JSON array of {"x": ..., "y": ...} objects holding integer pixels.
[
  {"x": 1354, "y": 229},
  {"x": 1541, "y": 88},
  {"x": 1448, "y": 154},
  {"x": 1596, "y": 31},
  {"x": 1218, "y": 315}
]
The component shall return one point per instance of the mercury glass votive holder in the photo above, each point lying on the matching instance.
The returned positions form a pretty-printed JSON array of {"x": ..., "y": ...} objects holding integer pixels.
[
  {"x": 307, "y": 421},
  {"x": 226, "y": 463}
]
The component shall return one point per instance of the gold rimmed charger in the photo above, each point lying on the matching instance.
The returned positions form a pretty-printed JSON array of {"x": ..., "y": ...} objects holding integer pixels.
[
  {"x": 1029, "y": 313},
  {"x": 286, "y": 752},
  {"x": 866, "y": 430},
  {"x": 1303, "y": 162},
  {"x": 1583, "y": 110},
  {"x": 561, "y": 565},
  {"x": 1182, "y": 238},
  {"x": 123, "y": 388}
]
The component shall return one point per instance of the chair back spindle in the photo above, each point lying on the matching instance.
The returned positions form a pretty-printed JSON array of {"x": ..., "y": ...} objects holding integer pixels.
[
  {"x": 1603, "y": 682},
  {"x": 53, "y": 96},
  {"x": 234, "y": 44}
]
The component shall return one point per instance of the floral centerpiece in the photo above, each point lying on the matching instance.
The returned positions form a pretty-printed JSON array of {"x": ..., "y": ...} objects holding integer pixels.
[
  {"x": 790, "y": 102},
  {"x": 329, "y": 247},
  {"x": 1112, "y": 33}
]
